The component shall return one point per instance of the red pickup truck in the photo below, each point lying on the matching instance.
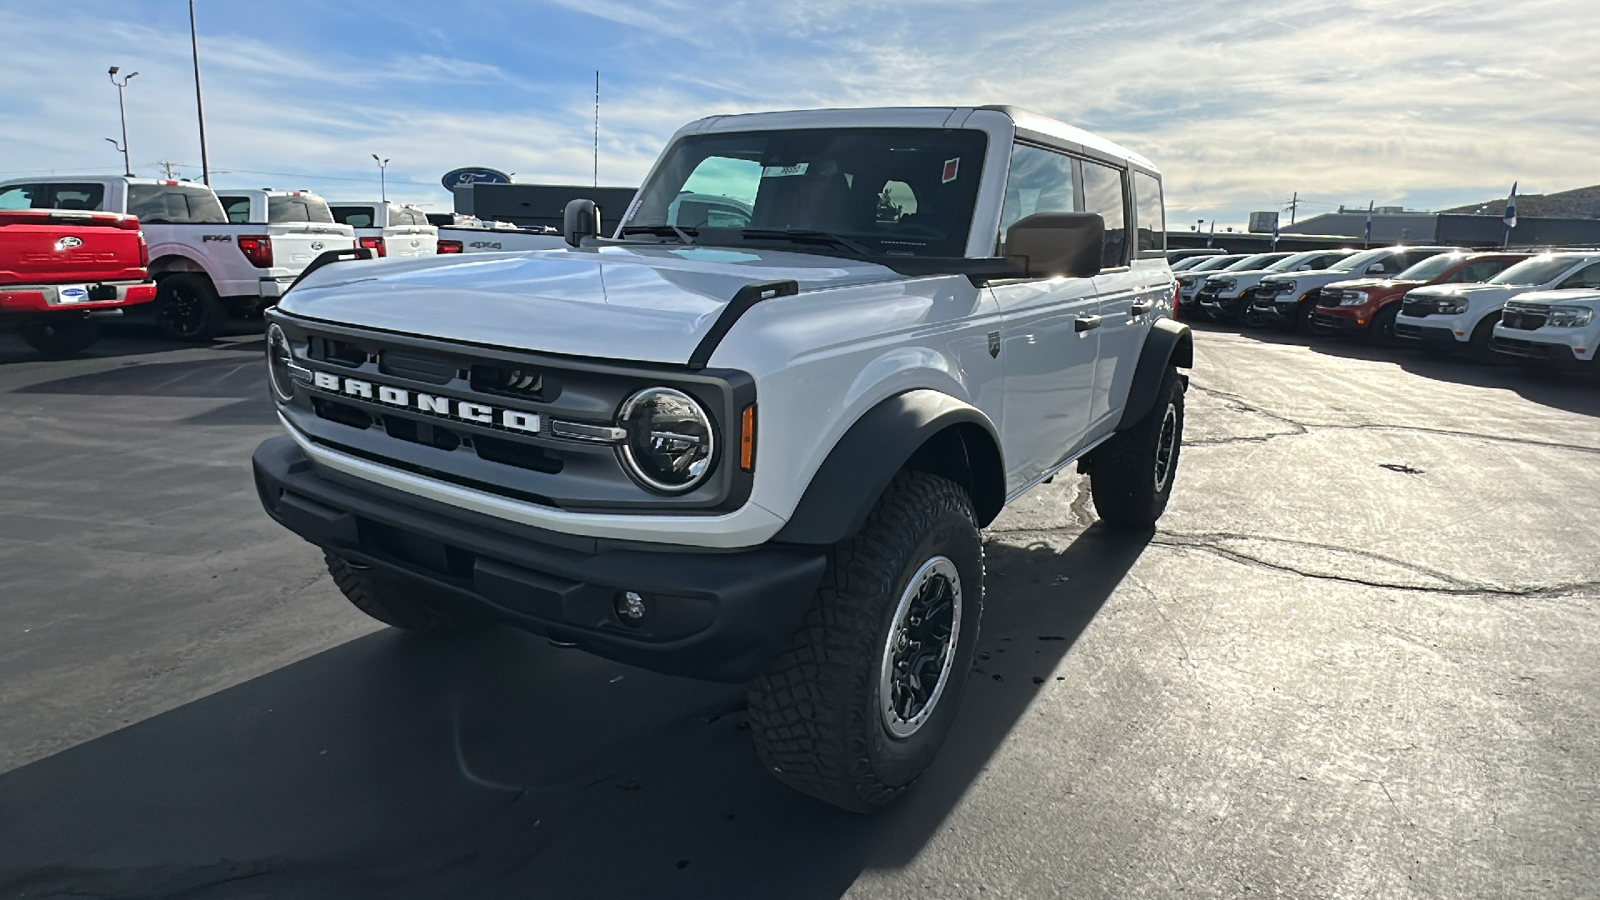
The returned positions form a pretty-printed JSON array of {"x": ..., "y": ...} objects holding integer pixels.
[{"x": 59, "y": 269}]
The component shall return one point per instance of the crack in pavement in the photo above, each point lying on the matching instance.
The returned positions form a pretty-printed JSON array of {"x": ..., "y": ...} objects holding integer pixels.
[
  {"x": 1237, "y": 404},
  {"x": 1453, "y": 585}
]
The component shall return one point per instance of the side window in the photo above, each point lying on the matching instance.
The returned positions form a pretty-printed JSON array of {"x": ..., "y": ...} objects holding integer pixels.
[
  {"x": 714, "y": 181},
  {"x": 1039, "y": 181},
  {"x": 1586, "y": 277},
  {"x": 895, "y": 202},
  {"x": 20, "y": 196},
  {"x": 354, "y": 216},
  {"x": 77, "y": 196},
  {"x": 237, "y": 208},
  {"x": 1152, "y": 215},
  {"x": 1104, "y": 193}
]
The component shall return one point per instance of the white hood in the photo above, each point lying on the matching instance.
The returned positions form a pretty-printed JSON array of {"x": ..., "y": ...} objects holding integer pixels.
[{"x": 650, "y": 303}]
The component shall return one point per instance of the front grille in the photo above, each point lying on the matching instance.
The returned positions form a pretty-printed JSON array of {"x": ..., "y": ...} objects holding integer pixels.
[
  {"x": 1402, "y": 329},
  {"x": 490, "y": 418},
  {"x": 1329, "y": 297},
  {"x": 1525, "y": 318},
  {"x": 1418, "y": 308},
  {"x": 1519, "y": 347}
]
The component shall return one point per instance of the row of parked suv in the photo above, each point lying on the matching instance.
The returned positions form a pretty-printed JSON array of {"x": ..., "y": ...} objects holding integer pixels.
[
  {"x": 1541, "y": 307},
  {"x": 76, "y": 249}
]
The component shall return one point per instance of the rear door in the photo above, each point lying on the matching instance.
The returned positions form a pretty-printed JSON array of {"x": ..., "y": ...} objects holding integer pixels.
[
  {"x": 1132, "y": 283},
  {"x": 302, "y": 228},
  {"x": 1048, "y": 341}
]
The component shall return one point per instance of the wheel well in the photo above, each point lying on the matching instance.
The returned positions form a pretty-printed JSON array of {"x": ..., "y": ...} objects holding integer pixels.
[
  {"x": 1183, "y": 352},
  {"x": 163, "y": 266},
  {"x": 966, "y": 454}
]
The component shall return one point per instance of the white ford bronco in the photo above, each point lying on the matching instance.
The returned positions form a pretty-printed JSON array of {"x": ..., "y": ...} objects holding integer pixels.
[{"x": 757, "y": 450}]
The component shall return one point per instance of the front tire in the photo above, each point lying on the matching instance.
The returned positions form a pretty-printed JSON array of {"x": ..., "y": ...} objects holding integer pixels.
[
  {"x": 1131, "y": 475},
  {"x": 187, "y": 308},
  {"x": 1380, "y": 331},
  {"x": 1478, "y": 347},
  {"x": 858, "y": 704},
  {"x": 393, "y": 601},
  {"x": 58, "y": 339}
]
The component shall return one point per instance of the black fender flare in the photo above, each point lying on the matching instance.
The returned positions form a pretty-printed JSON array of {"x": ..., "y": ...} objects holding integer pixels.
[
  {"x": 1168, "y": 344},
  {"x": 921, "y": 429}
]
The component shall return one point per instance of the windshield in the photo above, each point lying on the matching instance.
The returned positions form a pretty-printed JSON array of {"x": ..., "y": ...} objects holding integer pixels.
[
  {"x": 1213, "y": 263},
  {"x": 1251, "y": 263},
  {"x": 1538, "y": 270},
  {"x": 298, "y": 208},
  {"x": 1431, "y": 268},
  {"x": 889, "y": 191},
  {"x": 1290, "y": 263},
  {"x": 1186, "y": 263},
  {"x": 175, "y": 204},
  {"x": 1359, "y": 261},
  {"x": 354, "y": 216}
]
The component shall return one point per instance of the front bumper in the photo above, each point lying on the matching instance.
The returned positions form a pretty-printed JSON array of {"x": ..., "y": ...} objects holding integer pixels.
[
  {"x": 1283, "y": 309},
  {"x": 1554, "y": 350},
  {"x": 714, "y": 614},
  {"x": 1432, "y": 335},
  {"x": 1341, "y": 318}
]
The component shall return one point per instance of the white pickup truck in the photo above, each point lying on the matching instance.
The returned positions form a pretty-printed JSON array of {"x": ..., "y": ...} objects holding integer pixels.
[
  {"x": 389, "y": 229},
  {"x": 497, "y": 237},
  {"x": 206, "y": 268}
]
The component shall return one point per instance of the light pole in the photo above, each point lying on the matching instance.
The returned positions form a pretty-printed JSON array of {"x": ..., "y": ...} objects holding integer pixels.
[
  {"x": 383, "y": 185},
  {"x": 127, "y": 167}
]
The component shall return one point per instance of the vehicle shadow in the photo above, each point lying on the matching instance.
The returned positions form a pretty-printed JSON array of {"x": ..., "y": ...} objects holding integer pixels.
[
  {"x": 132, "y": 339},
  {"x": 1563, "y": 389},
  {"x": 497, "y": 765}
]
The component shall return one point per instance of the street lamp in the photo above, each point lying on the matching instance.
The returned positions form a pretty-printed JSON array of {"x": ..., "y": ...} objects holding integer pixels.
[
  {"x": 383, "y": 185},
  {"x": 127, "y": 167}
]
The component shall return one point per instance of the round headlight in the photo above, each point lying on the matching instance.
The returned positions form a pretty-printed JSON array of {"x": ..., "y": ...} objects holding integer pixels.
[
  {"x": 280, "y": 362},
  {"x": 670, "y": 440}
]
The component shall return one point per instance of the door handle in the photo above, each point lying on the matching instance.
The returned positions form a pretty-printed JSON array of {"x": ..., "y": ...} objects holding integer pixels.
[
  {"x": 1085, "y": 323},
  {"x": 1140, "y": 307}
]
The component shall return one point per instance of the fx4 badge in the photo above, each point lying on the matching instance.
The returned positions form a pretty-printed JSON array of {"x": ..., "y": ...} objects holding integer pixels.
[{"x": 223, "y": 238}]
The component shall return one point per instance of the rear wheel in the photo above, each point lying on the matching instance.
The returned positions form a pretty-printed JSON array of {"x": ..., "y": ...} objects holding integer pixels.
[
  {"x": 858, "y": 704},
  {"x": 1380, "y": 332},
  {"x": 1131, "y": 475},
  {"x": 63, "y": 338},
  {"x": 187, "y": 308},
  {"x": 394, "y": 601}
]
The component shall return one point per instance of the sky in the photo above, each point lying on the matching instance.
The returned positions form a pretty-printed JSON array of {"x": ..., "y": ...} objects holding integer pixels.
[{"x": 1240, "y": 103}]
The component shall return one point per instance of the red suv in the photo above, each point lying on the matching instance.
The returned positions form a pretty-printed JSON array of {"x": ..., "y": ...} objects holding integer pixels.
[{"x": 1367, "y": 306}]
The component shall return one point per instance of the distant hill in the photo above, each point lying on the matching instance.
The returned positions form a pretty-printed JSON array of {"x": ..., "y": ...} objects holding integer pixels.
[{"x": 1580, "y": 203}]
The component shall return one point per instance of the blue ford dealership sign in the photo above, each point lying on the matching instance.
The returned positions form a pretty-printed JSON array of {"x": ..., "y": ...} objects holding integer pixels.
[{"x": 456, "y": 177}]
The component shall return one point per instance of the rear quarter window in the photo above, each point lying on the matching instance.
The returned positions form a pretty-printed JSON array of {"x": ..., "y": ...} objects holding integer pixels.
[
  {"x": 1151, "y": 212},
  {"x": 237, "y": 208},
  {"x": 298, "y": 209},
  {"x": 354, "y": 216}
]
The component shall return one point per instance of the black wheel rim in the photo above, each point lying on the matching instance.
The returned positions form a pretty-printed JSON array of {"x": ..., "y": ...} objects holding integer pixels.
[
  {"x": 1167, "y": 447},
  {"x": 921, "y": 647},
  {"x": 184, "y": 312}
]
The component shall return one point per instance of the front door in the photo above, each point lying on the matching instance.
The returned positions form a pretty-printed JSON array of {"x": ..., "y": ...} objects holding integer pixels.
[{"x": 1050, "y": 331}]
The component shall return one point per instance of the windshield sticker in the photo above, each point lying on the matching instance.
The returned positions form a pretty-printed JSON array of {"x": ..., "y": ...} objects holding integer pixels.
[
  {"x": 951, "y": 168},
  {"x": 781, "y": 171}
]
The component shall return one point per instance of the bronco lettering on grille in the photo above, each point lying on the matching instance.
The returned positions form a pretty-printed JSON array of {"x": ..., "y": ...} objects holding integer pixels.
[{"x": 463, "y": 410}]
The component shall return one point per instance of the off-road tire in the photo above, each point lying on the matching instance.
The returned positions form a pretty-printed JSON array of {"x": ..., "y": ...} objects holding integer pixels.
[
  {"x": 1127, "y": 485},
  {"x": 58, "y": 339},
  {"x": 187, "y": 308},
  {"x": 815, "y": 715},
  {"x": 397, "y": 602},
  {"x": 1380, "y": 331}
]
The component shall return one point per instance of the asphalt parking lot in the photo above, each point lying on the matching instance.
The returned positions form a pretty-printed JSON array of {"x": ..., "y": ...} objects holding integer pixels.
[{"x": 1358, "y": 659}]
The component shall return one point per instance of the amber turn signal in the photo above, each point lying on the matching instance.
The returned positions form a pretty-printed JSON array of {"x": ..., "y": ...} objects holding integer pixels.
[{"x": 747, "y": 439}]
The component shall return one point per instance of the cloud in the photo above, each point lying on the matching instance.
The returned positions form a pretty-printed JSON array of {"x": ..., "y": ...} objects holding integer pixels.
[{"x": 1240, "y": 103}]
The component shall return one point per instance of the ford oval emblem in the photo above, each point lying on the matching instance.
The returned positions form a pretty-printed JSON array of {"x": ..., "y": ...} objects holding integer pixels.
[
  {"x": 457, "y": 177},
  {"x": 316, "y": 245},
  {"x": 68, "y": 243}
]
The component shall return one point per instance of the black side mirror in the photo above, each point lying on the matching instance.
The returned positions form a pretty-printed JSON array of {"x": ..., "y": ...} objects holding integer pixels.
[
  {"x": 1052, "y": 244},
  {"x": 579, "y": 220}
]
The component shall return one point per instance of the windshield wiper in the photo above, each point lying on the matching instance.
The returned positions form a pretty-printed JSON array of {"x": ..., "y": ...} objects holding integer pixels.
[
  {"x": 809, "y": 237},
  {"x": 685, "y": 235}
]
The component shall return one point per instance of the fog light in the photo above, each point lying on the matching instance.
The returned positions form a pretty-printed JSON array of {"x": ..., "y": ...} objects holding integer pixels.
[{"x": 630, "y": 608}]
